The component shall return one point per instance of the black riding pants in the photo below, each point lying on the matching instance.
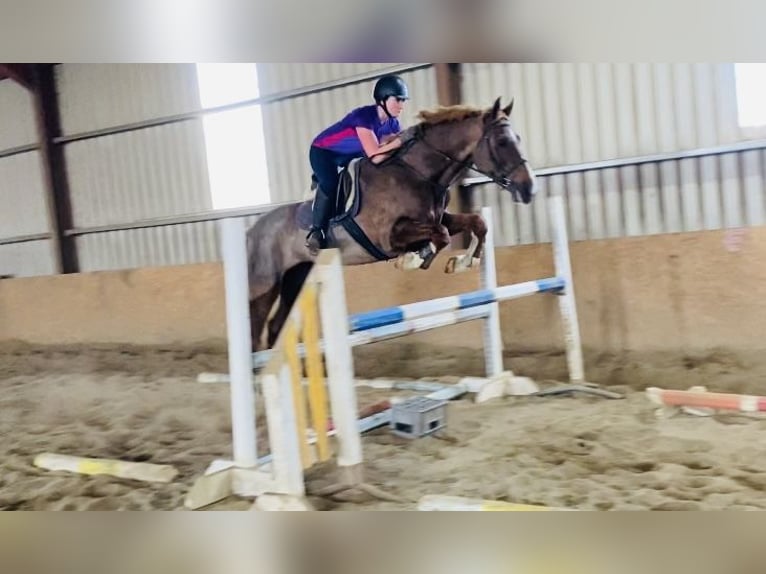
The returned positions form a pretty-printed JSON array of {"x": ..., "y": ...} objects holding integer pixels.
[{"x": 325, "y": 164}]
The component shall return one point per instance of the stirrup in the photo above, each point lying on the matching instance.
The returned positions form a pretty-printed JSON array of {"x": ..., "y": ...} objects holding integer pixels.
[{"x": 316, "y": 240}]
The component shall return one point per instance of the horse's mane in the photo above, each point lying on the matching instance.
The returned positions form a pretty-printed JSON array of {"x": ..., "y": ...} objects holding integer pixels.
[{"x": 444, "y": 114}]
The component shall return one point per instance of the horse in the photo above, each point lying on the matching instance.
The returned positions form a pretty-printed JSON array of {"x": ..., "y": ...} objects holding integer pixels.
[{"x": 402, "y": 210}]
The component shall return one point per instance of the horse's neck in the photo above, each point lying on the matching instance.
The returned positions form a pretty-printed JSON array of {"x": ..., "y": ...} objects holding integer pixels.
[{"x": 456, "y": 141}]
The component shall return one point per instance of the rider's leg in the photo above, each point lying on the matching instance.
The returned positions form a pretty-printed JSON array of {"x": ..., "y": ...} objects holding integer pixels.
[
  {"x": 321, "y": 213},
  {"x": 324, "y": 164}
]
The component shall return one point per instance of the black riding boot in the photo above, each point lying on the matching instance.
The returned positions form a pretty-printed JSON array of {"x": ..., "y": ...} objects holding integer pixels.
[{"x": 317, "y": 238}]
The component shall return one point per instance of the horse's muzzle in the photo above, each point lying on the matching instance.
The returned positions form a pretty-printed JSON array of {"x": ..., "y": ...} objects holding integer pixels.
[
  {"x": 522, "y": 192},
  {"x": 521, "y": 183}
]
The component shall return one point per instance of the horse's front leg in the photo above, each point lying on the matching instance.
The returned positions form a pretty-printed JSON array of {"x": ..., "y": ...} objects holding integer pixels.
[
  {"x": 458, "y": 223},
  {"x": 420, "y": 242}
]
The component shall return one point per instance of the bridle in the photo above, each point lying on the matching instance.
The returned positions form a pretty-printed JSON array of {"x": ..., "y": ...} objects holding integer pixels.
[{"x": 501, "y": 179}]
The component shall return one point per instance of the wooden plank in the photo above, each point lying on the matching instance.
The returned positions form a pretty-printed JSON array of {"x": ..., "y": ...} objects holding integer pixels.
[{"x": 315, "y": 371}]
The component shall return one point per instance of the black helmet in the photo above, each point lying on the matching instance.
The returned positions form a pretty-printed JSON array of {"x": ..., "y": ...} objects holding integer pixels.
[{"x": 388, "y": 86}]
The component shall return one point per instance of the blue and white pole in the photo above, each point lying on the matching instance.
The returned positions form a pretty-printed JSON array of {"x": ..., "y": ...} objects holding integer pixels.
[{"x": 393, "y": 315}]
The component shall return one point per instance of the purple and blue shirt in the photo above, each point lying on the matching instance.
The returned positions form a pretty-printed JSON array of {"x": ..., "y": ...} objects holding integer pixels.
[{"x": 341, "y": 137}]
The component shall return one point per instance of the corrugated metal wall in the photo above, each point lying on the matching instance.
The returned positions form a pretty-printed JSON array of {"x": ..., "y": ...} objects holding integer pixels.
[
  {"x": 290, "y": 125},
  {"x": 95, "y": 96},
  {"x": 137, "y": 175},
  {"x": 26, "y": 259},
  {"x": 153, "y": 172},
  {"x": 22, "y": 196},
  {"x": 573, "y": 113},
  {"x": 171, "y": 245},
  {"x": 671, "y": 197},
  {"x": 16, "y": 116},
  {"x": 566, "y": 113}
]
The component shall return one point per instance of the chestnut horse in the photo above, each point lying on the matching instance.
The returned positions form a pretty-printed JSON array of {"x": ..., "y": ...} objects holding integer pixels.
[{"x": 401, "y": 211}]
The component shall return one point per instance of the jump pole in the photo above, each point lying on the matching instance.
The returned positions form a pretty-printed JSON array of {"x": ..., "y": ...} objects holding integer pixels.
[
  {"x": 340, "y": 366},
  {"x": 493, "y": 341},
  {"x": 234, "y": 253},
  {"x": 567, "y": 306},
  {"x": 392, "y": 322}
]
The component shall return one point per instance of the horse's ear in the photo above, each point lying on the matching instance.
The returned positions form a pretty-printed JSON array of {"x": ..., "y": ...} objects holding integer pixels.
[
  {"x": 507, "y": 109},
  {"x": 495, "y": 110}
]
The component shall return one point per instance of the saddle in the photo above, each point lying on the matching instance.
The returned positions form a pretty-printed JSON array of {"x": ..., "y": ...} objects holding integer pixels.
[
  {"x": 349, "y": 202},
  {"x": 348, "y": 188}
]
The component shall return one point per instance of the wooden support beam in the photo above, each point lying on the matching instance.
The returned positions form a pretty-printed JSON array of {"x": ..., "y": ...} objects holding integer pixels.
[
  {"x": 58, "y": 199},
  {"x": 449, "y": 84}
]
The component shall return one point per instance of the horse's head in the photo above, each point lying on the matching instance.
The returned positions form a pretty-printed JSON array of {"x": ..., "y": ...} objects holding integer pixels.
[{"x": 499, "y": 156}]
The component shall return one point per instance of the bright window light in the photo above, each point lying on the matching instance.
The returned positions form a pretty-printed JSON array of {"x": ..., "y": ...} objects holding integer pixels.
[
  {"x": 751, "y": 94},
  {"x": 236, "y": 153}
]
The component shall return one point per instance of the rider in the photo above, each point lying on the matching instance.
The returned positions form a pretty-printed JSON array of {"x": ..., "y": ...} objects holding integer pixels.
[{"x": 358, "y": 134}]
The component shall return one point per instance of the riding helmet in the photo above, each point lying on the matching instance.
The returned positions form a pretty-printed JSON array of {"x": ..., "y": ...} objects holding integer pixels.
[{"x": 388, "y": 86}]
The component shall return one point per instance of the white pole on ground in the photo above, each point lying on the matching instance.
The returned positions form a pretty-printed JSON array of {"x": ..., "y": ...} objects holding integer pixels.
[
  {"x": 234, "y": 252},
  {"x": 493, "y": 342},
  {"x": 339, "y": 359},
  {"x": 567, "y": 305}
]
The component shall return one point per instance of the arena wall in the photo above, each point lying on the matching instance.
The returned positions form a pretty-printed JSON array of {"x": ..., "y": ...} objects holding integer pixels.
[{"x": 685, "y": 292}]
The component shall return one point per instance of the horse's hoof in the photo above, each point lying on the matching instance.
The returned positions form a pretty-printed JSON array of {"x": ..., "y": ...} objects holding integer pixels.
[
  {"x": 408, "y": 262},
  {"x": 461, "y": 263}
]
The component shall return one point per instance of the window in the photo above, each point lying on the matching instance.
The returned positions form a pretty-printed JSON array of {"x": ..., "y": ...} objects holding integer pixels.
[
  {"x": 234, "y": 140},
  {"x": 751, "y": 94}
]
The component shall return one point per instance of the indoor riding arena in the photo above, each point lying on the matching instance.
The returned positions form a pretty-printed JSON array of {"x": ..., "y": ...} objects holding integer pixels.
[{"x": 605, "y": 353}]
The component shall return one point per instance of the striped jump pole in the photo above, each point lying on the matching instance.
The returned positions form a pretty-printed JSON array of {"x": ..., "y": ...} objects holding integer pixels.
[
  {"x": 394, "y": 331},
  {"x": 393, "y": 315},
  {"x": 704, "y": 399}
]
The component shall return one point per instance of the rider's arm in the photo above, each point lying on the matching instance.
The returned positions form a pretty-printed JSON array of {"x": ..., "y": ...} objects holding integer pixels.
[{"x": 372, "y": 148}]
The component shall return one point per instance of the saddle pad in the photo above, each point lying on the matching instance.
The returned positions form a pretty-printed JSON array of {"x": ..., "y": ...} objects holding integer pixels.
[{"x": 349, "y": 186}]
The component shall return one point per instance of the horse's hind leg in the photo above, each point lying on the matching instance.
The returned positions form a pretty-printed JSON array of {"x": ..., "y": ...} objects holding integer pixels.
[
  {"x": 458, "y": 223},
  {"x": 292, "y": 282},
  {"x": 260, "y": 307}
]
